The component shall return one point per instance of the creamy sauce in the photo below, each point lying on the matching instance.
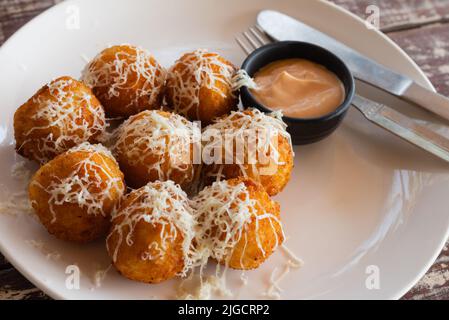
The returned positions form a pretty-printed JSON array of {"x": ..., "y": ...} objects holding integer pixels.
[{"x": 299, "y": 88}]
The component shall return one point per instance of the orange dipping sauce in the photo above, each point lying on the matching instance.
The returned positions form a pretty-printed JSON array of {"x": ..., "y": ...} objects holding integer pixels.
[{"x": 299, "y": 88}]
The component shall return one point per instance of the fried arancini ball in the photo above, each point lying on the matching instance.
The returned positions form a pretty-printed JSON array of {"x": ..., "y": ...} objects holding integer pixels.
[
  {"x": 199, "y": 86},
  {"x": 239, "y": 223},
  {"x": 126, "y": 79},
  {"x": 74, "y": 194},
  {"x": 265, "y": 153},
  {"x": 156, "y": 145},
  {"x": 151, "y": 235},
  {"x": 61, "y": 115}
]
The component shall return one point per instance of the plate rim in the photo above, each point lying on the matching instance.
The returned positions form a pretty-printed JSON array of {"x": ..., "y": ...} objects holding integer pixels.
[{"x": 427, "y": 83}]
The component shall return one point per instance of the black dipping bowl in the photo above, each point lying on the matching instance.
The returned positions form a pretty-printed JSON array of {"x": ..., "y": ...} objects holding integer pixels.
[{"x": 302, "y": 130}]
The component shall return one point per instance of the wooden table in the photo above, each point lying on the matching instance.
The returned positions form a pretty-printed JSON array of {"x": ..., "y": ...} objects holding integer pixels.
[{"x": 420, "y": 27}]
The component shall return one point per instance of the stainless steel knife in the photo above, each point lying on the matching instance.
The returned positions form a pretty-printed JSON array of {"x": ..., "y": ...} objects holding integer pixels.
[
  {"x": 283, "y": 27},
  {"x": 404, "y": 127}
]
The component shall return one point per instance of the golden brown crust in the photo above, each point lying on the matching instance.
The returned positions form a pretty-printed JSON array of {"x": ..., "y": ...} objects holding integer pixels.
[
  {"x": 126, "y": 101},
  {"x": 129, "y": 261},
  {"x": 212, "y": 104},
  {"x": 138, "y": 174},
  {"x": 32, "y": 132},
  {"x": 268, "y": 234}
]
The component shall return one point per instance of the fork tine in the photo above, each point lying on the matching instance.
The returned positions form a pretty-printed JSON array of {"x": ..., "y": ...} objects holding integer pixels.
[
  {"x": 242, "y": 45},
  {"x": 256, "y": 34},
  {"x": 251, "y": 40},
  {"x": 259, "y": 28},
  {"x": 263, "y": 34}
]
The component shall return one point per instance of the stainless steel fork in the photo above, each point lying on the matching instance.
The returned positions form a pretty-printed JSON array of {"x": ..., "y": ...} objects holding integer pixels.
[
  {"x": 252, "y": 39},
  {"x": 389, "y": 119}
]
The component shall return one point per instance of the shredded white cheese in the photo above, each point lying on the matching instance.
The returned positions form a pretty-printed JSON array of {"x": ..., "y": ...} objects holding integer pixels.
[
  {"x": 16, "y": 203},
  {"x": 199, "y": 288},
  {"x": 134, "y": 70},
  {"x": 196, "y": 70},
  {"x": 100, "y": 274},
  {"x": 152, "y": 134},
  {"x": 274, "y": 291},
  {"x": 242, "y": 79},
  {"x": 64, "y": 112},
  {"x": 42, "y": 247},
  {"x": 20, "y": 172},
  {"x": 293, "y": 261},
  {"x": 239, "y": 128},
  {"x": 158, "y": 203},
  {"x": 244, "y": 279},
  {"x": 223, "y": 212}
]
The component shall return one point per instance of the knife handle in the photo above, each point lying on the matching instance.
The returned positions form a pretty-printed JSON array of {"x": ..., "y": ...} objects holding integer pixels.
[{"x": 427, "y": 99}]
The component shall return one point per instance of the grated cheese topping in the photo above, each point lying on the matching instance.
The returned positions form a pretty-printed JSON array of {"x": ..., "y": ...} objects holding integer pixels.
[
  {"x": 223, "y": 213},
  {"x": 20, "y": 172},
  {"x": 135, "y": 71},
  {"x": 196, "y": 70},
  {"x": 237, "y": 128},
  {"x": 293, "y": 262},
  {"x": 63, "y": 115},
  {"x": 100, "y": 275},
  {"x": 211, "y": 225},
  {"x": 89, "y": 184},
  {"x": 165, "y": 138},
  {"x": 15, "y": 203},
  {"x": 158, "y": 204}
]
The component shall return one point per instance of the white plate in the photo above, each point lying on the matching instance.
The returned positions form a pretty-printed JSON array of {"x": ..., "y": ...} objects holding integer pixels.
[{"x": 360, "y": 198}]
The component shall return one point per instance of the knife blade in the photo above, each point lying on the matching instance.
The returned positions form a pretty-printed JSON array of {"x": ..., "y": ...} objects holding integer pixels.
[
  {"x": 282, "y": 27},
  {"x": 403, "y": 127}
]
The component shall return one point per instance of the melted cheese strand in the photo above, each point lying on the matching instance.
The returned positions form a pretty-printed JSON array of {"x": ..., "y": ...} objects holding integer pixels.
[
  {"x": 293, "y": 261},
  {"x": 16, "y": 203},
  {"x": 222, "y": 214},
  {"x": 242, "y": 79},
  {"x": 20, "y": 172},
  {"x": 274, "y": 290}
]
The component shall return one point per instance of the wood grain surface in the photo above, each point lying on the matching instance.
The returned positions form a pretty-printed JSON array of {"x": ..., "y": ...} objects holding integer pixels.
[{"x": 420, "y": 27}]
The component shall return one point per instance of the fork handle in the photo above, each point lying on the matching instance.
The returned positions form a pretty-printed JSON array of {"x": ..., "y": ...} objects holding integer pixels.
[
  {"x": 429, "y": 100},
  {"x": 404, "y": 127}
]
